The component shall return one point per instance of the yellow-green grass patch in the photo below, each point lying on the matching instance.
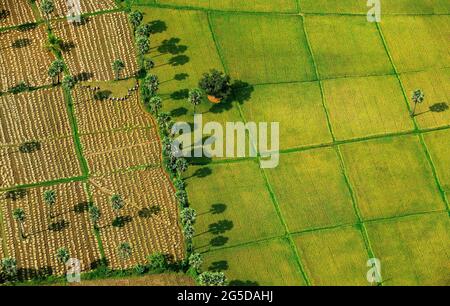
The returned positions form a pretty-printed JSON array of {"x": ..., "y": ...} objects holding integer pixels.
[
  {"x": 361, "y": 107},
  {"x": 434, "y": 111},
  {"x": 117, "y": 89},
  {"x": 269, "y": 263},
  {"x": 387, "y": 7},
  {"x": 263, "y": 48},
  {"x": 334, "y": 257},
  {"x": 284, "y": 6},
  {"x": 311, "y": 190},
  {"x": 438, "y": 143},
  {"x": 182, "y": 47},
  {"x": 391, "y": 177},
  {"x": 347, "y": 46},
  {"x": 413, "y": 251},
  {"x": 232, "y": 203},
  {"x": 418, "y": 42},
  {"x": 296, "y": 106}
]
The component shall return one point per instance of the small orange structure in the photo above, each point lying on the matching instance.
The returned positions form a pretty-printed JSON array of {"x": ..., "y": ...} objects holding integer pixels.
[{"x": 214, "y": 100}]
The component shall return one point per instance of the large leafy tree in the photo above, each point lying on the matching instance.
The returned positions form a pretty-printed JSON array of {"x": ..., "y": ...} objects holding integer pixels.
[
  {"x": 216, "y": 84},
  {"x": 68, "y": 82}
]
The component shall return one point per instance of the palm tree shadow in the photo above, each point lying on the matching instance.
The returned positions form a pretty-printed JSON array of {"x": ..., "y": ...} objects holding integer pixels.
[
  {"x": 218, "y": 266},
  {"x": 435, "y": 108}
]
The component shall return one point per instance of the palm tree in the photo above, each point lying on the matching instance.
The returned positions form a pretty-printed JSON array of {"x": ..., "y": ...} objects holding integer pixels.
[
  {"x": 118, "y": 66},
  {"x": 55, "y": 70},
  {"x": 196, "y": 261},
  {"x": 181, "y": 165},
  {"x": 135, "y": 18},
  {"x": 68, "y": 82},
  {"x": 50, "y": 200},
  {"x": 156, "y": 104},
  {"x": 195, "y": 97},
  {"x": 63, "y": 256},
  {"x": 95, "y": 214},
  {"x": 212, "y": 279},
  {"x": 151, "y": 84},
  {"x": 188, "y": 215},
  {"x": 188, "y": 231},
  {"x": 418, "y": 97},
  {"x": 9, "y": 268},
  {"x": 47, "y": 7},
  {"x": 54, "y": 44},
  {"x": 124, "y": 251},
  {"x": 19, "y": 216},
  {"x": 117, "y": 203},
  {"x": 142, "y": 45}
]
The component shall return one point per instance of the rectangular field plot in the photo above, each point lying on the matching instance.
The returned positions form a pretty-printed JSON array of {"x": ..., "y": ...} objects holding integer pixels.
[
  {"x": 270, "y": 263},
  {"x": 94, "y": 45},
  {"x": 263, "y": 49},
  {"x": 67, "y": 226},
  {"x": 391, "y": 177},
  {"x": 51, "y": 160},
  {"x": 388, "y": 7},
  {"x": 62, "y": 8},
  {"x": 434, "y": 111},
  {"x": 232, "y": 203},
  {"x": 431, "y": 31},
  {"x": 438, "y": 143},
  {"x": 311, "y": 190},
  {"x": 421, "y": 242},
  {"x": 182, "y": 47},
  {"x": 297, "y": 107},
  {"x": 360, "y": 107},
  {"x": 36, "y": 115},
  {"x": 284, "y": 6},
  {"x": 347, "y": 46},
  {"x": 23, "y": 58},
  {"x": 119, "y": 150},
  {"x": 335, "y": 257},
  {"x": 15, "y": 12},
  {"x": 148, "y": 221}
]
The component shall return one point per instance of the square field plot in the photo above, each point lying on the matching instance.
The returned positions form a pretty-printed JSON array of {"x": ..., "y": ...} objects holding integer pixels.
[
  {"x": 263, "y": 48},
  {"x": 438, "y": 143},
  {"x": 232, "y": 203},
  {"x": 391, "y": 177},
  {"x": 270, "y": 263},
  {"x": 347, "y": 46},
  {"x": 311, "y": 190},
  {"x": 297, "y": 107},
  {"x": 284, "y": 6},
  {"x": 421, "y": 242},
  {"x": 361, "y": 107},
  {"x": 148, "y": 221},
  {"x": 182, "y": 47},
  {"x": 15, "y": 12},
  {"x": 18, "y": 47},
  {"x": 402, "y": 34},
  {"x": 62, "y": 7},
  {"x": 388, "y": 7},
  {"x": 67, "y": 226},
  {"x": 434, "y": 111},
  {"x": 335, "y": 257},
  {"x": 93, "y": 46}
]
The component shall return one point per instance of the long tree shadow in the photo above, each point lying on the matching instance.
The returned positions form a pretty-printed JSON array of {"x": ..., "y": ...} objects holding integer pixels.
[
  {"x": 21, "y": 43},
  {"x": 122, "y": 221},
  {"x": 218, "y": 241},
  {"x": 58, "y": 226},
  {"x": 216, "y": 209},
  {"x": 15, "y": 195},
  {"x": 435, "y": 108},
  {"x": 243, "y": 283},
  {"x": 178, "y": 112},
  {"x": 157, "y": 26},
  {"x": 171, "y": 46},
  {"x": 219, "y": 266}
]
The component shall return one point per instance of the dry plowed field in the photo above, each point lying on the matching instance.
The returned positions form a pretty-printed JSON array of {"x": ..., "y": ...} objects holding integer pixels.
[
  {"x": 15, "y": 12},
  {"x": 86, "y": 6}
]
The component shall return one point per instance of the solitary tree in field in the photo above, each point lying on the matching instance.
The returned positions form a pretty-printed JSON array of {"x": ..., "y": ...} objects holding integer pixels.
[
  {"x": 50, "y": 200},
  {"x": 142, "y": 45},
  {"x": 181, "y": 166},
  {"x": 216, "y": 85},
  {"x": 118, "y": 66},
  {"x": 117, "y": 203},
  {"x": 195, "y": 97},
  {"x": 68, "y": 82},
  {"x": 196, "y": 261},
  {"x": 63, "y": 256},
  {"x": 47, "y": 7},
  {"x": 55, "y": 70},
  {"x": 124, "y": 251},
  {"x": 19, "y": 216},
  {"x": 155, "y": 104},
  {"x": 188, "y": 215},
  {"x": 9, "y": 268},
  {"x": 135, "y": 18},
  {"x": 95, "y": 214},
  {"x": 212, "y": 279},
  {"x": 418, "y": 97}
]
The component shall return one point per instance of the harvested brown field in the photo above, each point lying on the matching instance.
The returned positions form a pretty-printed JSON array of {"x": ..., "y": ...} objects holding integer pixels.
[
  {"x": 149, "y": 220},
  {"x": 87, "y": 6},
  {"x": 69, "y": 228},
  {"x": 15, "y": 12},
  {"x": 96, "y": 44},
  {"x": 23, "y": 58},
  {"x": 147, "y": 280}
]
